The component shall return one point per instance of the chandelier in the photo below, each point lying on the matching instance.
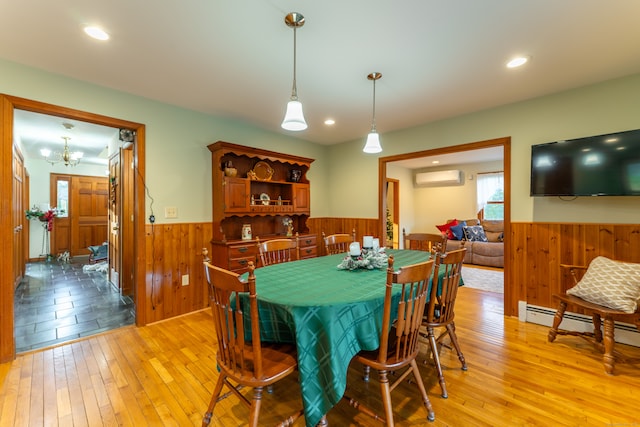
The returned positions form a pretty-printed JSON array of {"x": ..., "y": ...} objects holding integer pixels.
[{"x": 69, "y": 158}]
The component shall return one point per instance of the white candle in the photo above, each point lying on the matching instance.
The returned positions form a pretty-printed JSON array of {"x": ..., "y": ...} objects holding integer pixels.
[
  {"x": 376, "y": 244},
  {"x": 354, "y": 249},
  {"x": 367, "y": 242}
]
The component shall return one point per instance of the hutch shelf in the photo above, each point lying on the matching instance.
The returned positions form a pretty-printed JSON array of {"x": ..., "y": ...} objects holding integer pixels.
[{"x": 263, "y": 189}]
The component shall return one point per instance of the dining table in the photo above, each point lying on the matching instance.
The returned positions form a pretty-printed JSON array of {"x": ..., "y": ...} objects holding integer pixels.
[{"x": 329, "y": 313}]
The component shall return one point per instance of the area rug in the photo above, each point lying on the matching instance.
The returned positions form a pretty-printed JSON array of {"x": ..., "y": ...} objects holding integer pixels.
[{"x": 484, "y": 279}]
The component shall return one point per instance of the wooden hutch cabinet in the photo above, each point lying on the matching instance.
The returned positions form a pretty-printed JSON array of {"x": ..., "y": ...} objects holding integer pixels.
[{"x": 260, "y": 188}]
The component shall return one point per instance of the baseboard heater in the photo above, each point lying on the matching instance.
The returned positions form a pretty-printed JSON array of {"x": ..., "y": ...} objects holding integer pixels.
[{"x": 624, "y": 333}]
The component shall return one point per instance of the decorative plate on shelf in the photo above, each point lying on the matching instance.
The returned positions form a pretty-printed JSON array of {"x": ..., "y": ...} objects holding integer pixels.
[
  {"x": 262, "y": 171},
  {"x": 265, "y": 198}
]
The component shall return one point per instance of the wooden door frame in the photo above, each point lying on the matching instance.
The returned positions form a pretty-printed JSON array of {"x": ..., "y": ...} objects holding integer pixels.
[
  {"x": 395, "y": 183},
  {"x": 505, "y": 143},
  {"x": 8, "y": 104}
]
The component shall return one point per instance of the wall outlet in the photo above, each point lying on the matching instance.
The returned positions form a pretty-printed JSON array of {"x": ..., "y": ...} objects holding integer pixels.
[
  {"x": 185, "y": 279},
  {"x": 171, "y": 212}
]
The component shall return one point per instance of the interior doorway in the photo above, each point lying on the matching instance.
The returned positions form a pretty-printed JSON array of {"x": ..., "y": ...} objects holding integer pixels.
[
  {"x": 8, "y": 104},
  {"x": 504, "y": 144}
]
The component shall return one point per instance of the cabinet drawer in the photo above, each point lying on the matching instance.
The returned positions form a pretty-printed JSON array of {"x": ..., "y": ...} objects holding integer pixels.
[
  {"x": 305, "y": 241},
  {"x": 308, "y": 252},
  {"x": 241, "y": 264},
  {"x": 243, "y": 251}
]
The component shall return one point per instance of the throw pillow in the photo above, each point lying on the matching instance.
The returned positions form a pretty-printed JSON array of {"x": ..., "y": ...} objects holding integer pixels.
[
  {"x": 445, "y": 229},
  {"x": 610, "y": 283},
  {"x": 456, "y": 230},
  {"x": 474, "y": 233}
]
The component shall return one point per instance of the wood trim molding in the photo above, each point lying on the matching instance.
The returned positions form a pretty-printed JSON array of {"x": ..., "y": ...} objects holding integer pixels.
[{"x": 8, "y": 104}]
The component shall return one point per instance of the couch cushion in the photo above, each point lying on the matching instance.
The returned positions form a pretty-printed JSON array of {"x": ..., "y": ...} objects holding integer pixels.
[
  {"x": 610, "y": 283},
  {"x": 494, "y": 230},
  {"x": 456, "y": 230},
  {"x": 474, "y": 233},
  {"x": 445, "y": 229}
]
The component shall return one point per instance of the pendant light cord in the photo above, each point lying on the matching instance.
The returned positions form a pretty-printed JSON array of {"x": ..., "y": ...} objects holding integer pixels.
[
  {"x": 294, "y": 89},
  {"x": 373, "y": 121}
]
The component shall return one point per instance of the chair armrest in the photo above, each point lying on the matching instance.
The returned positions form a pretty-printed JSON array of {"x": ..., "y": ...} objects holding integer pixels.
[
  {"x": 576, "y": 267},
  {"x": 575, "y": 271}
]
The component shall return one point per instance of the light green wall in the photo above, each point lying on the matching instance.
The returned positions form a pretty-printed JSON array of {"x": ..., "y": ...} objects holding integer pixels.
[
  {"x": 178, "y": 164},
  {"x": 344, "y": 179},
  {"x": 601, "y": 108}
]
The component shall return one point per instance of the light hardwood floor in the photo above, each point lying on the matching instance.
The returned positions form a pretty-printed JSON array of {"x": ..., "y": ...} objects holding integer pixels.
[{"x": 162, "y": 374}]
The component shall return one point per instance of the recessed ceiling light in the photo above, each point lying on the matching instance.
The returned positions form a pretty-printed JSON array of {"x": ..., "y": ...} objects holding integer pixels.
[
  {"x": 435, "y": 162},
  {"x": 96, "y": 33},
  {"x": 329, "y": 122},
  {"x": 517, "y": 62}
]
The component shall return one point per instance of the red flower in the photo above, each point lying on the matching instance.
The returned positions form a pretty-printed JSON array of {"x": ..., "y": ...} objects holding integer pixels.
[{"x": 48, "y": 217}]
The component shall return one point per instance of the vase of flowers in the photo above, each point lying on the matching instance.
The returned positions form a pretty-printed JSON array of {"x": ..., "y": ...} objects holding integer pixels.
[
  {"x": 288, "y": 223},
  {"x": 46, "y": 217}
]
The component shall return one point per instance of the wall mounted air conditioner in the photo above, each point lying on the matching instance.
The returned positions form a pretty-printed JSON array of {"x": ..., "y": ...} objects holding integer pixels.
[{"x": 439, "y": 178}]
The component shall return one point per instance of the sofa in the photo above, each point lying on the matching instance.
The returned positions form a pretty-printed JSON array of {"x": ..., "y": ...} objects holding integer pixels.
[{"x": 487, "y": 253}]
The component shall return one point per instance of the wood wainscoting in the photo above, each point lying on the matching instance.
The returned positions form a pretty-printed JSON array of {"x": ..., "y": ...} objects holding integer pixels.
[
  {"x": 363, "y": 227},
  {"x": 172, "y": 251},
  {"x": 175, "y": 250},
  {"x": 537, "y": 250}
]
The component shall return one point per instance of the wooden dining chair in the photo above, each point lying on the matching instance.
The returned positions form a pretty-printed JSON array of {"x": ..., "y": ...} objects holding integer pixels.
[
  {"x": 399, "y": 337},
  {"x": 608, "y": 283},
  {"x": 440, "y": 308},
  {"x": 430, "y": 242},
  {"x": 338, "y": 243},
  {"x": 240, "y": 361},
  {"x": 277, "y": 251}
]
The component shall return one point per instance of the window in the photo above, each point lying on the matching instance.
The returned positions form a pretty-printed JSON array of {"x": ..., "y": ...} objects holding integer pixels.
[{"x": 490, "y": 192}]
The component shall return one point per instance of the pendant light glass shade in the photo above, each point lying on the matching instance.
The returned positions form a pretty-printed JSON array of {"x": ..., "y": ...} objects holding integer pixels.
[
  {"x": 372, "y": 145},
  {"x": 294, "y": 117}
]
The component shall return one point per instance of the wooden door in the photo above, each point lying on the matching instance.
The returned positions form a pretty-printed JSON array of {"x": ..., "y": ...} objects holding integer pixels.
[
  {"x": 127, "y": 229},
  {"x": 19, "y": 219},
  {"x": 89, "y": 222},
  {"x": 60, "y": 235},
  {"x": 115, "y": 199},
  {"x": 83, "y": 221},
  {"x": 301, "y": 198},
  {"x": 236, "y": 194}
]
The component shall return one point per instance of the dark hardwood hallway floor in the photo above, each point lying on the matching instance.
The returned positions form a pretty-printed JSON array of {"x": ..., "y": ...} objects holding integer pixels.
[{"x": 59, "y": 302}]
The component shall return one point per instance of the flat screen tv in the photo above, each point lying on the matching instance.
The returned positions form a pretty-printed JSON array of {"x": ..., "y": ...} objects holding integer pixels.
[{"x": 602, "y": 165}]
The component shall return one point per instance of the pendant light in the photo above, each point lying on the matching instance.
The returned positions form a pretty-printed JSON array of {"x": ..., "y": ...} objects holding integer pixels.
[
  {"x": 373, "y": 139},
  {"x": 294, "y": 118}
]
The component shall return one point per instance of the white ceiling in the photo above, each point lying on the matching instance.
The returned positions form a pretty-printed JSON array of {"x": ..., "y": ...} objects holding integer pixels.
[
  {"x": 234, "y": 58},
  {"x": 36, "y": 131}
]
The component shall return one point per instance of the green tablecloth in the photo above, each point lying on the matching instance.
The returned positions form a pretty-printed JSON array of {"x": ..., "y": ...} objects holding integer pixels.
[{"x": 330, "y": 314}]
